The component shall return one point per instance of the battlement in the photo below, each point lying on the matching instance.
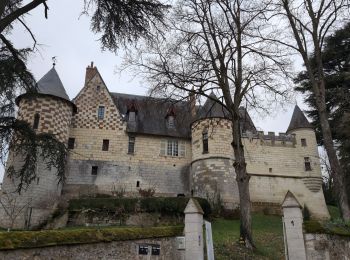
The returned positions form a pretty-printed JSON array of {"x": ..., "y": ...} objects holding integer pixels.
[{"x": 271, "y": 138}]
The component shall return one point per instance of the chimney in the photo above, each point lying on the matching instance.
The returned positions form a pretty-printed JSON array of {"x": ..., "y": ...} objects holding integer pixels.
[
  {"x": 90, "y": 72},
  {"x": 192, "y": 103}
]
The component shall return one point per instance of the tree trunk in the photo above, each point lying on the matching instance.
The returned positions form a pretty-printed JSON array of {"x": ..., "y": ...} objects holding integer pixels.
[
  {"x": 242, "y": 179},
  {"x": 336, "y": 170}
]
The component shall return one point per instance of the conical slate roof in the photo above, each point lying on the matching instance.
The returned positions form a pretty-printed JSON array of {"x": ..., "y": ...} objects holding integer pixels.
[
  {"x": 51, "y": 84},
  {"x": 298, "y": 120}
]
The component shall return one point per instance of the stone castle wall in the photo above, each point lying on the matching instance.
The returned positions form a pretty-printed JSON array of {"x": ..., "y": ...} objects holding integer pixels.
[
  {"x": 213, "y": 176},
  {"x": 145, "y": 168}
]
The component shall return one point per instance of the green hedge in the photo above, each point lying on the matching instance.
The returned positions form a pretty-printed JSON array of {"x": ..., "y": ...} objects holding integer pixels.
[
  {"x": 167, "y": 206},
  {"x": 314, "y": 226},
  {"x": 31, "y": 239}
]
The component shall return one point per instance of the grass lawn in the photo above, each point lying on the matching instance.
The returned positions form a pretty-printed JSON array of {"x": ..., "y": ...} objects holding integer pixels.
[{"x": 267, "y": 233}]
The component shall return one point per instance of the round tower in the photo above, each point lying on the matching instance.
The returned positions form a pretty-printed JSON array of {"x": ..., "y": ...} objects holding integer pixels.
[
  {"x": 48, "y": 111},
  {"x": 213, "y": 175},
  {"x": 309, "y": 161}
]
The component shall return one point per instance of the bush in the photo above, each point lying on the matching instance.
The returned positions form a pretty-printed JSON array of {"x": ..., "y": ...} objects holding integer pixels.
[
  {"x": 306, "y": 213},
  {"x": 145, "y": 193},
  {"x": 230, "y": 214},
  {"x": 166, "y": 206}
]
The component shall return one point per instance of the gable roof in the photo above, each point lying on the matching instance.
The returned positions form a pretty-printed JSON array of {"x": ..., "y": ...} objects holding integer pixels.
[
  {"x": 152, "y": 115},
  {"x": 51, "y": 84},
  {"x": 298, "y": 120}
]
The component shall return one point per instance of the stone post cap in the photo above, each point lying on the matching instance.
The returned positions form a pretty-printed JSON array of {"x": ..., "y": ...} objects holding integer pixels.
[
  {"x": 290, "y": 201},
  {"x": 193, "y": 207}
]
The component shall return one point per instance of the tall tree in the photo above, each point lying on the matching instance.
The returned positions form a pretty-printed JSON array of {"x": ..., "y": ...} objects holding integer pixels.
[
  {"x": 120, "y": 22},
  {"x": 217, "y": 46},
  {"x": 336, "y": 65},
  {"x": 309, "y": 24}
]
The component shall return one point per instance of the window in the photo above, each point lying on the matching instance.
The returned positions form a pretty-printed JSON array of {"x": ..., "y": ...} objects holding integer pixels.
[
  {"x": 307, "y": 164},
  {"x": 105, "y": 145},
  {"x": 303, "y": 142},
  {"x": 36, "y": 121},
  {"x": 205, "y": 142},
  {"x": 94, "y": 170},
  {"x": 270, "y": 170},
  {"x": 131, "y": 145},
  {"x": 132, "y": 116},
  {"x": 138, "y": 184},
  {"x": 71, "y": 142},
  {"x": 101, "y": 112},
  {"x": 98, "y": 88},
  {"x": 172, "y": 148},
  {"x": 171, "y": 122}
]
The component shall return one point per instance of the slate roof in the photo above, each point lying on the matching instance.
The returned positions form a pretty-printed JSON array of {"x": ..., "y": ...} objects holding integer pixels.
[
  {"x": 298, "y": 120},
  {"x": 211, "y": 108},
  {"x": 152, "y": 114},
  {"x": 51, "y": 84}
]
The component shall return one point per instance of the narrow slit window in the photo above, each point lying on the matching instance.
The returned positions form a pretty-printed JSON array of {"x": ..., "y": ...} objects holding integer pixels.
[
  {"x": 303, "y": 142},
  {"x": 131, "y": 145},
  {"x": 138, "y": 184},
  {"x": 36, "y": 121},
  {"x": 94, "y": 170},
  {"x": 71, "y": 142},
  {"x": 307, "y": 164},
  {"x": 105, "y": 145},
  {"x": 205, "y": 142},
  {"x": 101, "y": 112}
]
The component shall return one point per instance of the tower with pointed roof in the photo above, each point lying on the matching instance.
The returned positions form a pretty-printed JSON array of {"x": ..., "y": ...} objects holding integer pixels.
[
  {"x": 132, "y": 143},
  {"x": 47, "y": 111}
]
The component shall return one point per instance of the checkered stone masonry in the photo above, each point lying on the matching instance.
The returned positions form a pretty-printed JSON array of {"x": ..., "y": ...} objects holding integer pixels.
[
  {"x": 55, "y": 115},
  {"x": 93, "y": 95}
]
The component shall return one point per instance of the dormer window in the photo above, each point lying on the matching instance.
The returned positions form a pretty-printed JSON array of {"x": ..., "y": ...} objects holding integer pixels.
[
  {"x": 170, "y": 117},
  {"x": 171, "y": 121},
  {"x": 132, "y": 116}
]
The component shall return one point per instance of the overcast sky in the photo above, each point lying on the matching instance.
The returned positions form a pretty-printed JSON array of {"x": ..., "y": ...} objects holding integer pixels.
[{"x": 66, "y": 34}]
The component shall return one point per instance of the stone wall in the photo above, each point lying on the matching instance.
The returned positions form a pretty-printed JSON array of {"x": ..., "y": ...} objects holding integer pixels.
[
  {"x": 119, "y": 250},
  {"x": 323, "y": 246},
  {"x": 117, "y": 169}
]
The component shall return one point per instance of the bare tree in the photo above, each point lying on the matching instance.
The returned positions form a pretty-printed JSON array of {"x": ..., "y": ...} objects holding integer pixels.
[
  {"x": 309, "y": 23},
  {"x": 217, "y": 46},
  {"x": 13, "y": 206}
]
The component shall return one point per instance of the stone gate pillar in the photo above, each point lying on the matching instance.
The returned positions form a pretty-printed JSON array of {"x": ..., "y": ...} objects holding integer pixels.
[
  {"x": 194, "y": 231},
  {"x": 293, "y": 228}
]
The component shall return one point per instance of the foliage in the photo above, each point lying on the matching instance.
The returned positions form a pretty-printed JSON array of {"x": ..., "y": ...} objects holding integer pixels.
[
  {"x": 32, "y": 239},
  {"x": 122, "y": 22},
  {"x": 268, "y": 236},
  {"x": 335, "y": 227},
  {"x": 336, "y": 64},
  {"x": 147, "y": 192},
  {"x": 167, "y": 206},
  {"x": 306, "y": 213}
]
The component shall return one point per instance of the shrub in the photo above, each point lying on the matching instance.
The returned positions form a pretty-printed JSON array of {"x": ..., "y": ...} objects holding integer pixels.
[
  {"x": 146, "y": 193},
  {"x": 231, "y": 214},
  {"x": 166, "y": 206},
  {"x": 306, "y": 213}
]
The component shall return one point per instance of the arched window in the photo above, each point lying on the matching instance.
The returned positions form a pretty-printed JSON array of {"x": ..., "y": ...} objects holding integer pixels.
[{"x": 36, "y": 121}]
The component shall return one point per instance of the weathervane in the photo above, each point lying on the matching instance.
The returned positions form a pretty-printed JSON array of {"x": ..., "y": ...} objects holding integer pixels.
[{"x": 54, "y": 60}]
